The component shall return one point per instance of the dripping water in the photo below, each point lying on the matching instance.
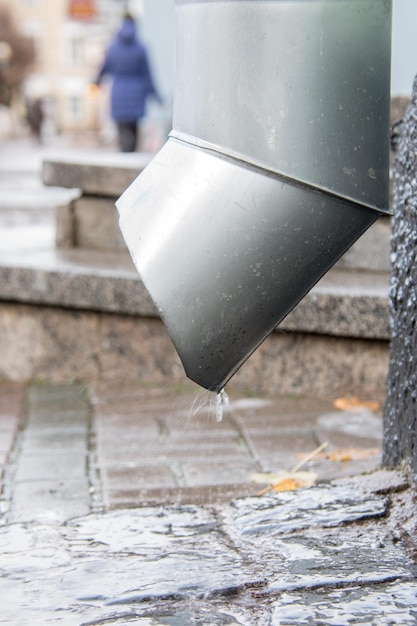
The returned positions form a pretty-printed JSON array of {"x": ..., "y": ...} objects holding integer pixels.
[{"x": 222, "y": 403}]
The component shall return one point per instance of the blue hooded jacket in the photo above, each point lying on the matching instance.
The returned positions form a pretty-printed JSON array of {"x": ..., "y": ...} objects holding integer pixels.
[{"x": 127, "y": 62}]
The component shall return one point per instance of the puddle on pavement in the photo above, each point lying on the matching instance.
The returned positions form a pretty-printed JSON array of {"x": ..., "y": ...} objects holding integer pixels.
[
  {"x": 355, "y": 422},
  {"x": 162, "y": 565},
  {"x": 239, "y": 564},
  {"x": 170, "y": 553},
  {"x": 323, "y": 506},
  {"x": 395, "y": 604}
]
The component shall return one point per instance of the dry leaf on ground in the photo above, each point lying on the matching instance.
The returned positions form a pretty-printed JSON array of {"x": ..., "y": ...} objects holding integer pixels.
[
  {"x": 353, "y": 402},
  {"x": 352, "y": 454},
  {"x": 289, "y": 481},
  {"x": 285, "y": 481},
  {"x": 347, "y": 454}
]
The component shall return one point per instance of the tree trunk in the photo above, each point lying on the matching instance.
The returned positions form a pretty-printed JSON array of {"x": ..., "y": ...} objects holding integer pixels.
[{"x": 400, "y": 412}]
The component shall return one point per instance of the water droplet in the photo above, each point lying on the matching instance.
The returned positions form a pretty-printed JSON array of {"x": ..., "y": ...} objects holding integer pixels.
[{"x": 222, "y": 403}]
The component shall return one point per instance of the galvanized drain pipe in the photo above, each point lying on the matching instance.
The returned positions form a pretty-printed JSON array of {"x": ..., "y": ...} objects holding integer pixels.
[{"x": 278, "y": 161}]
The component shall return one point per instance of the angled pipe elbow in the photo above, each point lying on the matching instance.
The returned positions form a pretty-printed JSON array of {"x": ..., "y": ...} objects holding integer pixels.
[{"x": 278, "y": 161}]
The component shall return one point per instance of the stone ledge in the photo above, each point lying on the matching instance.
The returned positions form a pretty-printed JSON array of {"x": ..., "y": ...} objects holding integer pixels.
[
  {"x": 94, "y": 173},
  {"x": 92, "y": 220},
  {"x": 75, "y": 279},
  {"x": 59, "y": 345},
  {"x": 371, "y": 252},
  {"x": 343, "y": 303}
]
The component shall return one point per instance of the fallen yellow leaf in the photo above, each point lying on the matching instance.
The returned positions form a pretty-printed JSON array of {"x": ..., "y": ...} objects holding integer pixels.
[
  {"x": 346, "y": 454},
  {"x": 350, "y": 402},
  {"x": 352, "y": 454},
  {"x": 285, "y": 481},
  {"x": 289, "y": 484},
  {"x": 342, "y": 456}
]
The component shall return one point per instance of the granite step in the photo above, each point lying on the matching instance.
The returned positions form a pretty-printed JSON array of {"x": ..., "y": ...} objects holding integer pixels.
[
  {"x": 345, "y": 302},
  {"x": 86, "y": 315}
]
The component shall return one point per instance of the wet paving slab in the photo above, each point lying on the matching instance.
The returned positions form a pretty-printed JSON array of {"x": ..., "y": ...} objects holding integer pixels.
[
  {"x": 88, "y": 536},
  {"x": 271, "y": 561},
  {"x": 393, "y": 604},
  {"x": 176, "y": 436}
]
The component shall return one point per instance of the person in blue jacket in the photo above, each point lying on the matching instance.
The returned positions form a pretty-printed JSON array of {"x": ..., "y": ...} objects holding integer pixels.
[{"x": 126, "y": 61}]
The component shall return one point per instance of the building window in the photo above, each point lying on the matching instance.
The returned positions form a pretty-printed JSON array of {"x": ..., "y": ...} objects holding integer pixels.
[
  {"x": 75, "y": 109},
  {"x": 75, "y": 51}
]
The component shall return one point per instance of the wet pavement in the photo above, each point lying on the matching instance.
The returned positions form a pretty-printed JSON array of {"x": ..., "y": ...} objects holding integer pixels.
[{"x": 123, "y": 504}]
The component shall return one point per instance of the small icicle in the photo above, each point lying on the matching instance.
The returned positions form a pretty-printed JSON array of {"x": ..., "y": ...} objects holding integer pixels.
[{"x": 222, "y": 402}]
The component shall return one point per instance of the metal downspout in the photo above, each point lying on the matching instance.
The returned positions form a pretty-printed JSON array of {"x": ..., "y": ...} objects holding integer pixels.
[{"x": 278, "y": 161}]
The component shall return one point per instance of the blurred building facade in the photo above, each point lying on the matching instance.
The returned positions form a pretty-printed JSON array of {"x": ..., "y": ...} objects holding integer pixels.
[{"x": 70, "y": 38}]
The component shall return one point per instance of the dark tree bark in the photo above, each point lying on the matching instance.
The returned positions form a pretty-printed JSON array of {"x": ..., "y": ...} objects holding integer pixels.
[{"x": 400, "y": 412}]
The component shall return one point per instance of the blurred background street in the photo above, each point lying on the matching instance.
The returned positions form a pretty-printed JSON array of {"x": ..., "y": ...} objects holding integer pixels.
[
  {"x": 50, "y": 53},
  {"x": 27, "y": 206}
]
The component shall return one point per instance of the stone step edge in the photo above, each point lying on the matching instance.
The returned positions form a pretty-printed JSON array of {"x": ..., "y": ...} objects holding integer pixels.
[{"x": 344, "y": 303}]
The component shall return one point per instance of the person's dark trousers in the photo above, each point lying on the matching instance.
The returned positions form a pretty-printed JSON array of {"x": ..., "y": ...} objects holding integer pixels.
[{"x": 128, "y": 136}]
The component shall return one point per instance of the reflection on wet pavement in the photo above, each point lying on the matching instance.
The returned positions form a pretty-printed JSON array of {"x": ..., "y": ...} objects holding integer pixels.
[
  {"x": 395, "y": 604},
  {"x": 119, "y": 506},
  {"x": 235, "y": 564}
]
